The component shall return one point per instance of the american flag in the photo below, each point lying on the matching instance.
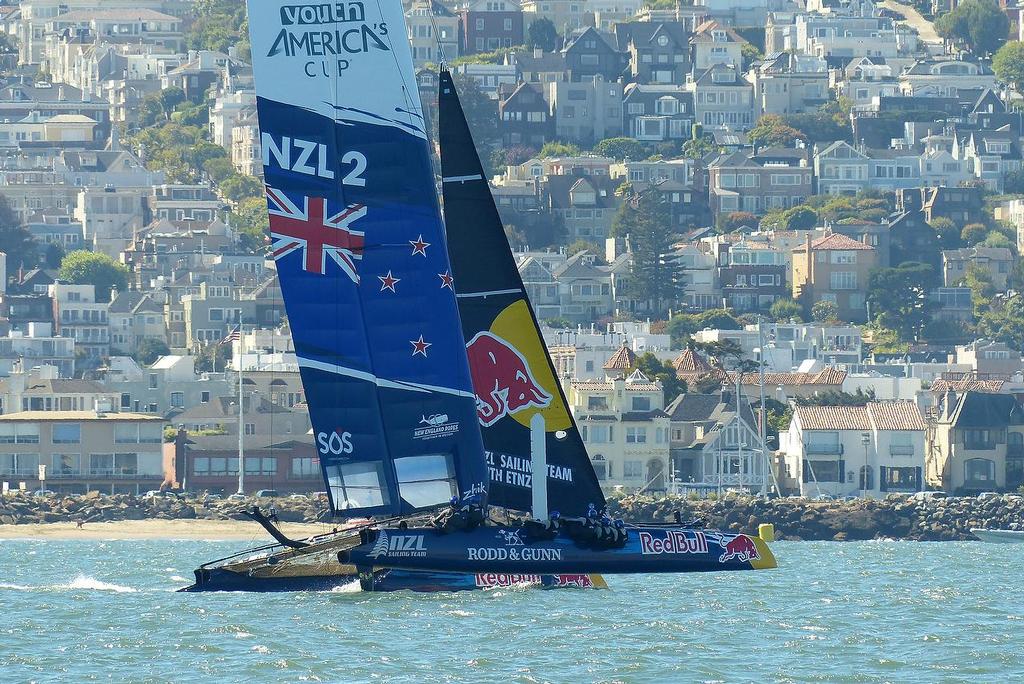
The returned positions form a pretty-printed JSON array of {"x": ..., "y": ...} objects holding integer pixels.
[
  {"x": 233, "y": 336},
  {"x": 316, "y": 234}
]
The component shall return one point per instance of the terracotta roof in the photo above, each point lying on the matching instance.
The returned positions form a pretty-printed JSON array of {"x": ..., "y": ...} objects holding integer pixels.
[
  {"x": 833, "y": 417},
  {"x": 967, "y": 385},
  {"x": 829, "y": 376},
  {"x": 623, "y": 359},
  {"x": 839, "y": 241},
  {"x": 896, "y": 415}
]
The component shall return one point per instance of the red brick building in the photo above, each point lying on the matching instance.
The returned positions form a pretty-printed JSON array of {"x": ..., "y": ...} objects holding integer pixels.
[{"x": 486, "y": 25}]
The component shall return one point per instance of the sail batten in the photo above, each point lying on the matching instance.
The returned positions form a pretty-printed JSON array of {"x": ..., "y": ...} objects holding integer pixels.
[
  {"x": 513, "y": 376},
  {"x": 361, "y": 255}
]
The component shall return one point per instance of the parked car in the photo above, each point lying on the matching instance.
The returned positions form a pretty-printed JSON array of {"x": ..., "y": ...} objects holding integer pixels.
[
  {"x": 268, "y": 493},
  {"x": 924, "y": 496},
  {"x": 156, "y": 493},
  {"x": 237, "y": 497}
]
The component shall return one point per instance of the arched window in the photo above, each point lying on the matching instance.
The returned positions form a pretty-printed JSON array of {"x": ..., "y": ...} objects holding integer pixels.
[
  {"x": 600, "y": 467},
  {"x": 867, "y": 478},
  {"x": 979, "y": 472}
]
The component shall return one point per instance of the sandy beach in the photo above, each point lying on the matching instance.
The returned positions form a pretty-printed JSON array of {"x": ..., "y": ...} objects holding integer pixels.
[{"x": 239, "y": 530}]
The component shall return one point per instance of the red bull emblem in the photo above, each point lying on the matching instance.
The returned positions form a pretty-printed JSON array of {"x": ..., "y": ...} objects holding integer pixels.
[
  {"x": 501, "y": 378},
  {"x": 740, "y": 548},
  {"x": 580, "y": 581},
  {"x": 495, "y": 579}
]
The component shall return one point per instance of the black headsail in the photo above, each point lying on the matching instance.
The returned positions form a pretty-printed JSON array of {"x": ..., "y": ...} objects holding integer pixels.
[{"x": 513, "y": 376}]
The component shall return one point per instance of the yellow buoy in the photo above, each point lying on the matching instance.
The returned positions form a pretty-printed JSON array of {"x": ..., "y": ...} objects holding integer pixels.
[{"x": 766, "y": 531}]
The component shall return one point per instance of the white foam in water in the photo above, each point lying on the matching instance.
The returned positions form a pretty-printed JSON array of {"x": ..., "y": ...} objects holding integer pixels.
[
  {"x": 18, "y": 587},
  {"x": 83, "y": 582},
  {"x": 348, "y": 588}
]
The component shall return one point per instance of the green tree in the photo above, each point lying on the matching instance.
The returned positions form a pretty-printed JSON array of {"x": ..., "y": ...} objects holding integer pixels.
[
  {"x": 838, "y": 398},
  {"x": 621, "y": 148},
  {"x": 947, "y": 231},
  {"x": 655, "y": 278},
  {"x": 558, "y": 149},
  {"x": 697, "y": 148},
  {"x": 1005, "y": 323},
  {"x": 784, "y": 310},
  {"x": 542, "y": 34},
  {"x": 662, "y": 371},
  {"x": 681, "y": 326},
  {"x": 735, "y": 220},
  {"x": 978, "y": 25},
  {"x": 749, "y": 54},
  {"x": 997, "y": 239},
  {"x": 15, "y": 240},
  {"x": 899, "y": 298},
  {"x": 1008, "y": 63},
  {"x": 578, "y": 246},
  {"x": 219, "y": 25},
  {"x": 238, "y": 187},
  {"x": 82, "y": 267},
  {"x": 824, "y": 311},
  {"x": 219, "y": 169},
  {"x": 250, "y": 219},
  {"x": 799, "y": 218},
  {"x": 771, "y": 130},
  {"x": 983, "y": 289},
  {"x": 170, "y": 98},
  {"x": 973, "y": 233},
  {"x": 149, "y": 349}
]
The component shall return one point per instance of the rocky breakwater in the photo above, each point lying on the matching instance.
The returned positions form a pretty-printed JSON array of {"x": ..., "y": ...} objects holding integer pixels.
[
  {"x": 896, "y": 517},
  {"x": 18, "y": 508}
]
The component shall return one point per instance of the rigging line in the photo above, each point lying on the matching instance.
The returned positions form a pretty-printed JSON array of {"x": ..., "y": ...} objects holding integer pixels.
[
  {"x": 406, "y": 93},
  {"x": 441, "y": 60}
]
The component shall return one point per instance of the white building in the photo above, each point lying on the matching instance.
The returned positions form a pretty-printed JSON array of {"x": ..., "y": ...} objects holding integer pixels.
[{"x": 868, "y": 450}]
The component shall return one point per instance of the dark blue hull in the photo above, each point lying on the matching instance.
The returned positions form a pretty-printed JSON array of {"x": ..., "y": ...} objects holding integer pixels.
[
  {"x": 221, "y": 579},
  {"x": 488, "y": 549}
]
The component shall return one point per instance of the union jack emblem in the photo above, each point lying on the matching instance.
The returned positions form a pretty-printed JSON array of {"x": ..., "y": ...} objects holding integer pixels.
[{"x": 310, "y": 229}]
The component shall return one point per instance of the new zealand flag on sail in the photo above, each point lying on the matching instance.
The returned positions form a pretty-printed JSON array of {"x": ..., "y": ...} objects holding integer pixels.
[{"x": 361, "y": 255}]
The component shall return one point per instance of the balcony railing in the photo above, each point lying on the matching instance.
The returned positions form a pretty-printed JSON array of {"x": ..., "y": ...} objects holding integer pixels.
[
  {"x": 901, "y": 449},
  {"x": 832, "y": 449}
]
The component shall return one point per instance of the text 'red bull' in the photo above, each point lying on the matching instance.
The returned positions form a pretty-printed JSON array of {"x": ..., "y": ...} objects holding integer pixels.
[
  {"x": 741, "y": 548},
  {"x": 674, "y": 541},
  {"x": 501, "y": 379}
]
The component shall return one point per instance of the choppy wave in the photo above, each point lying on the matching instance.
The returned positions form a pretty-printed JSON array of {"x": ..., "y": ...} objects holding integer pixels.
[{"x": 79, "y": 583}]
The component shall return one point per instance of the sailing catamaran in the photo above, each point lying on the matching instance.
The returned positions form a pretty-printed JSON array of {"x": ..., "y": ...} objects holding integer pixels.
[{"x": 428, "y": 382}]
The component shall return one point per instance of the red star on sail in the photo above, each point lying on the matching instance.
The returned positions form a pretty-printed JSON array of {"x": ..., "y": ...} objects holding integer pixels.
[
  {"x": 446, "y": 280},
  {"x": 388, "y": 282},
  {"x": 419, "y": 246},
  {"x": 419, "y": 346}
]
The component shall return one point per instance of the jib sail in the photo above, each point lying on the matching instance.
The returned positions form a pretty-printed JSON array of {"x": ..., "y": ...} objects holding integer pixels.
[
  {"x": 512, "y": 373},
  {"x": 356, "y": 234}
]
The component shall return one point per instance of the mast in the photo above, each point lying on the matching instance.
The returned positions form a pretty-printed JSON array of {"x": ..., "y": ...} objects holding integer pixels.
[{"x": 241, "y": 423}]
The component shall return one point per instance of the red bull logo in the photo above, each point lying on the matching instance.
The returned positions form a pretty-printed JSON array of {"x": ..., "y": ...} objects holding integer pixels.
[
  {"x": 502, "y": 379},
  {"x": 496, "y": 579},
  {"x": 740, "y": 548},
  {"x": 674, "y": 541}
]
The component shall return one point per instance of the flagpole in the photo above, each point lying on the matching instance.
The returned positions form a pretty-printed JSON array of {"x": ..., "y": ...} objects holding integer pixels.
[{"x": 241, "y": 420}]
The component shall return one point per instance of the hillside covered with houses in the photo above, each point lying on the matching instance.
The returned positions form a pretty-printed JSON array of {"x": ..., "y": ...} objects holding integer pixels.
[{"x": 774, "y": 244}]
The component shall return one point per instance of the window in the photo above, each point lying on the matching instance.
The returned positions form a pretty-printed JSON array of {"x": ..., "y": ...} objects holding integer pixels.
[
  {"x": 843, "y": 280},
  {"x": 426, "y": 480},
  {"x": 597, "y": 403},
  {"x": 67, "y": 464},
  {"x": 26, "y": 465},
  {"x": 305, "y": 467},
  {"x": 19, "y": 433},
  {"x": 905, "y": 479},
  {"x": 844, "y": 257},
  {"x": 600, "y": 467},
  {"x": 632, "y": 470},
  {"x": 641, "y": 403},
  {"x": 978, "y": 439},
  {"x": 979, "y": 472},
  {"x": 204, "y": 397},
  {"x": 901, "y": 444},
  {"x": 636, "y": 435},
  {"x": 508, "y": 24},
  {"x": 67, "y": 433},
  {"x": 479, "y": 24},
  {"x": 250, "y": 428},
  {"x": 823, "y": 471},
  {"x": 154, "y": 380},
  {"x": 599, "y": 434}
]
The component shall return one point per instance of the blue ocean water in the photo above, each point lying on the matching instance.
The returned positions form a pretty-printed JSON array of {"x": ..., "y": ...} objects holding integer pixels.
[{"x": 77, "y": 611}]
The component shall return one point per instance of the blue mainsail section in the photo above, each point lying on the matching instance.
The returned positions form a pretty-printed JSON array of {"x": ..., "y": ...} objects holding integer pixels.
[{"x": 356, "y": 234}]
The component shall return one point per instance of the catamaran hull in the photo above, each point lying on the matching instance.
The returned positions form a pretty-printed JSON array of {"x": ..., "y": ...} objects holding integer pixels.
[
  {"x": 511, "y": 550},
  {"x": 383, "y": 580}
]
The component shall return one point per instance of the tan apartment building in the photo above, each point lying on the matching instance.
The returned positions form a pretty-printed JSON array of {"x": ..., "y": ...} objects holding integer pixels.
[
  {"x": 834, "y": 268},
  {"x": 995, "y": 261},
  {"x": 82, "y": 451},
  {"x": 976, "y": 443}
]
